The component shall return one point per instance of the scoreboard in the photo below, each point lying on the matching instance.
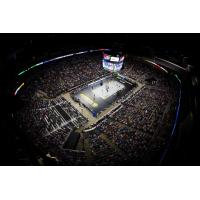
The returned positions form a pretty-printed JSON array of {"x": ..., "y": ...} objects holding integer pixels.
[{"x": 112, "y": 62}]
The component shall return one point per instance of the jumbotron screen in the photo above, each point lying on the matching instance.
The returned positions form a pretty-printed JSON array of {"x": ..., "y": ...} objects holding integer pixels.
[
  {"x": 112, "y": 66},
  {"x": 112, "y": 63}
]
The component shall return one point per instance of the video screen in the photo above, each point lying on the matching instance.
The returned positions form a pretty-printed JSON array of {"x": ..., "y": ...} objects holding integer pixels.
[{"x": 112, "y": 66}]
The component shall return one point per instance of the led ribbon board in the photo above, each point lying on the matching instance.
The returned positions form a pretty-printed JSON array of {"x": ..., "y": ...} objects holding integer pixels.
[
  {"x": 58, "y": 58},
  {"x": 17, "y": 90},
  {"x": 175, "y": 121}
]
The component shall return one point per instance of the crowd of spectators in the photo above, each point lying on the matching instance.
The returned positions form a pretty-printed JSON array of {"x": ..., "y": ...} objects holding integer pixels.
[
  {"x": 64, "y": 75},
  {"x": 103, "y": 153},
  {"x": 45, "y": 125},
  {"x": 135, "y": 125}
]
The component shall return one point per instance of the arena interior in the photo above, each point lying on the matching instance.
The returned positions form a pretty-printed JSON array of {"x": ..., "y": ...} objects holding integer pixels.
[
  {"x": 98, "y": 107},
  {"x": 79, "y": 113}
]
